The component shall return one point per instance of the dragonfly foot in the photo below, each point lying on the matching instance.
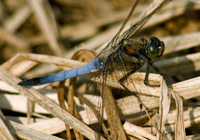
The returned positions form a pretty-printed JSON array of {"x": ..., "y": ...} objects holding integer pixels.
[{"x": 151, "y": 85}]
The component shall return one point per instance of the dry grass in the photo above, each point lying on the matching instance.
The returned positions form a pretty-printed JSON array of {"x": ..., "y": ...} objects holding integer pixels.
[{"x": 62, "y": 29}]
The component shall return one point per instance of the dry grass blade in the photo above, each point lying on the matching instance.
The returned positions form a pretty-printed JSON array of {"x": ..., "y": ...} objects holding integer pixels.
[
  {"x": 18, "y": 103},
  {"x": 174, "y": 65},
  {"x": 116, "y": 129},
  {"x": 44, "y": 19},
  {"x": 71, "y": 108},
  {"x": 186, "y": 88},
  {"x": 165, "y": 101},
  {"x": 179, "y": 127},
  {"x": 48, "y": 104},
  {"x": 30, "y": 109},
  {"x": 6, "y": 87},
  {"x": 18, "y": 65},
  {"x": 48, "y": 126},
  {"x": 191, "y": 118},
  {"x": 5, "y": 133},
  {"x": 19, "y": 17},
  {"x": 61, "y": 99},
  {"x": 52, "y": 59},
  {"x": 24, "y": 132},
  {"x": 135, "y": 131},
  {"x": 181, "y": 42},
  {"x": 19, "y": 43},
  {"x": 138, "y": 86}
]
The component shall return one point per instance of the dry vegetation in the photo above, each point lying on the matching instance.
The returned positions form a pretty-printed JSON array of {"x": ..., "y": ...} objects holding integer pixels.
[{"x": 39, "y": 37}]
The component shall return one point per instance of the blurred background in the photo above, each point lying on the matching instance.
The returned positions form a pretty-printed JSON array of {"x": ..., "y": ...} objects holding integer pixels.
[{"x": 56, "y": 27}]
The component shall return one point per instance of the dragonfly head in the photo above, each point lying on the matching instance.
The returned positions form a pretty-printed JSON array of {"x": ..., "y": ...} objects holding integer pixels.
[{"x": 154, "y": 48}]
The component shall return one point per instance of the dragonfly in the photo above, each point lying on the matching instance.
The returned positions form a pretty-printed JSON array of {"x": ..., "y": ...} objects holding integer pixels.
[{"x": 121, "y": 54}]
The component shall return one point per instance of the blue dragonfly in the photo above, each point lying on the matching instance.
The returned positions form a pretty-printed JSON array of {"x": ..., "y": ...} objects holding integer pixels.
[{"x": 121, "y": 54}]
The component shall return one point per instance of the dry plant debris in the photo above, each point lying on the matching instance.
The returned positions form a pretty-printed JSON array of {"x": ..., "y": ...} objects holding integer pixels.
[{"x": 39, "y": 37}]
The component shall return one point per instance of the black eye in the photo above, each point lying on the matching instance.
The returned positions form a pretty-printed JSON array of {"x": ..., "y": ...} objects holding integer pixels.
[
  {"x": 155, "y": 48},
  {"x": 161, "y": 48}
]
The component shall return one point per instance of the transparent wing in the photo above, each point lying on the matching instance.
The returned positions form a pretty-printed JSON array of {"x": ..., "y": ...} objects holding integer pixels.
[
  {"x": 115, "y": 39},
  {"x": 112, "y": 72},
  {"x": 134, "y": 28},
  {"x": 132, "y": 106}
]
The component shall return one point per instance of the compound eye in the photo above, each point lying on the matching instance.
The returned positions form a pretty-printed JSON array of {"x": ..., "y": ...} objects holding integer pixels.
[
  {"x": 161, "y": 49},
  {"x": 155, "y": 48},
  {"x": 152, "y": 51}
]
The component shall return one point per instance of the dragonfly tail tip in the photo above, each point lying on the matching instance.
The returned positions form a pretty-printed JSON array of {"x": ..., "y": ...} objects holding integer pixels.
[{"x": 30, "y": 82}]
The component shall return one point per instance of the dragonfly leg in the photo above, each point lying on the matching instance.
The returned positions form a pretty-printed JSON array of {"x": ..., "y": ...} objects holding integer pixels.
[
  {"x": 157, "y": 71},
  {"x": 155, "y": 68},
  {"x": 121, "y": 81},
  {"x": 147, "y": 75}
]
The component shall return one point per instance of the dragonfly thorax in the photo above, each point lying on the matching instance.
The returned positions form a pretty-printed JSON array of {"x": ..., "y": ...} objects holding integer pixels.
[{"x": 132, "y": 47}]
